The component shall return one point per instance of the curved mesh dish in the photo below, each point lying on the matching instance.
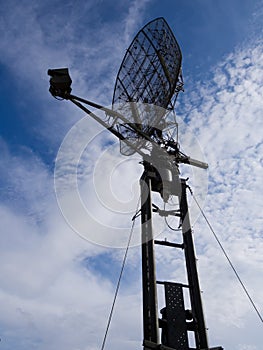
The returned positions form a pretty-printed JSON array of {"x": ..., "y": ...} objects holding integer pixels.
[{"x": 149, "y": 74}]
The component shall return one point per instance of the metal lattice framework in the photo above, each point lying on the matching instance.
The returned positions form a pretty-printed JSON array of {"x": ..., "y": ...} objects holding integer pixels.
[{"x": 150, "y": 73}]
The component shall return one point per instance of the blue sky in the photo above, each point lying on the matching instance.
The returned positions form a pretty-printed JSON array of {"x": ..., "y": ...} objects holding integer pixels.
[{"x": 57, "y": 287}]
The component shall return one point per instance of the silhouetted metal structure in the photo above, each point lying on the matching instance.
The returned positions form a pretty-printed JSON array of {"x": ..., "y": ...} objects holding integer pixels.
[
  {"x": 145, "y": 93},
  {"x": 150, "y": 73}
]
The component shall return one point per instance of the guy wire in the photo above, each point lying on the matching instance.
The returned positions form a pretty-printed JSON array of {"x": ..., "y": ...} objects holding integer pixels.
[
  {"x": 120, "y": 277},
  {"x": 228, "y": 259}
]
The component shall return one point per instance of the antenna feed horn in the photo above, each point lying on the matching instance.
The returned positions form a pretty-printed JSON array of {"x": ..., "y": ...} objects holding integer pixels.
[{"x": 60, "y": 82}]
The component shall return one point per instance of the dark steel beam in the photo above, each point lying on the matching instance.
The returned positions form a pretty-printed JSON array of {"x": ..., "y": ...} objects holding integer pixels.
[
  {"x": 150, "y": 313},
  {"x": 190, "y": 258},
  {"x": 170, "y": 244}
]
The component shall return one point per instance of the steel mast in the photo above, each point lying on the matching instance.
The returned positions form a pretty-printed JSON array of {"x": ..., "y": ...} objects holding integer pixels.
[{"x": 150, "y": 75}]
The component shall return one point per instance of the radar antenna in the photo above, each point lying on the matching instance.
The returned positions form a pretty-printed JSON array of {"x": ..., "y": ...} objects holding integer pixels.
[
  {"x": 146, "y": 89},
  {"x": 150, "y": 73}
]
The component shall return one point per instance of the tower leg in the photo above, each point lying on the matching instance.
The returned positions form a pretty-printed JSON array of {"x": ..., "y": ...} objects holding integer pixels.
[
  {"x": 150, "y": 313},
  {"x": 195, "y": 294}
]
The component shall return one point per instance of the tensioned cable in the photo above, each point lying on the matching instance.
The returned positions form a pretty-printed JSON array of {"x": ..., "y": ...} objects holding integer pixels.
[
  {"x": 120, "y": 277},
  {"x": 168, "y": 225},
  {"x": 227, "y": 257}
]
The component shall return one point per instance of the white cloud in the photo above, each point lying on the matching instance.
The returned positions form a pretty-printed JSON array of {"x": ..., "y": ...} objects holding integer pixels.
[
  {"x": 134, "y": 19},
  {"x": 226, "y": 114},
  {"x": 49, "y": 297}
]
